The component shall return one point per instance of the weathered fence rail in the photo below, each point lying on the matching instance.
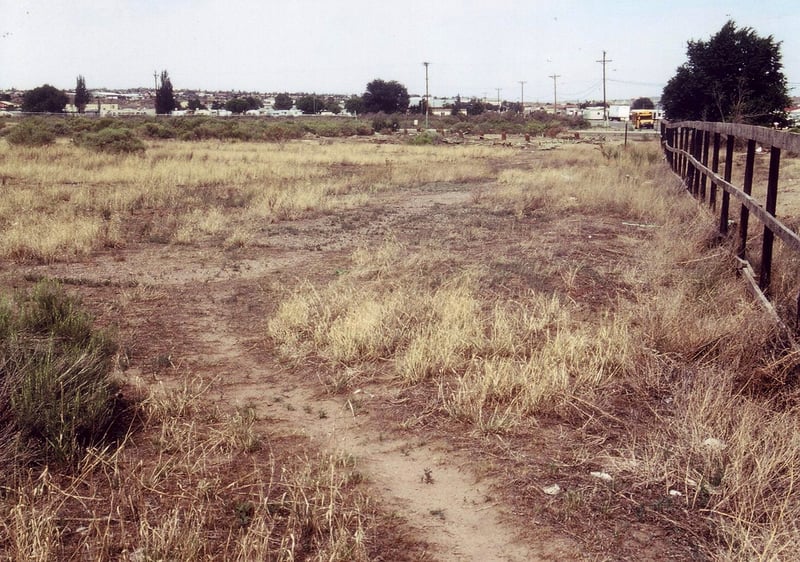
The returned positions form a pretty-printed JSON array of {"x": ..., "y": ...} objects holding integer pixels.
[{"x": 689, "y": 145}]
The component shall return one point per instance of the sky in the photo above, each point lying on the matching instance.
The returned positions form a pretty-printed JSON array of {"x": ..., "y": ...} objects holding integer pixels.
[{"x": 475, "y": 48}]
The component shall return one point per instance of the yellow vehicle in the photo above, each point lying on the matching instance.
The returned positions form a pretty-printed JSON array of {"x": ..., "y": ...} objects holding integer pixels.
[{"x": 643, "y": 118}]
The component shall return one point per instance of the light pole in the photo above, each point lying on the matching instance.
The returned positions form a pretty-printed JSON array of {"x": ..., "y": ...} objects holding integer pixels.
[{"x": 522, "y": 97}]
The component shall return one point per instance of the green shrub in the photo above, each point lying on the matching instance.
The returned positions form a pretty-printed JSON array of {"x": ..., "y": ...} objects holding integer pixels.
[
  {"x": 55, "y": 375},
  {"x": 385, "y": 123},
  {"x": 31, "y": 132},
  {"x": 281, "y": 131},
  {"x": 424, "y": 139},
  {"x": 112, "y": 140},
  {"x": 159, "y": 131}
]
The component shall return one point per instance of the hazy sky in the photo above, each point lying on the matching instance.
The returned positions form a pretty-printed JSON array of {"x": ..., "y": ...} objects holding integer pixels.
[{"x": 335, "y": 46}]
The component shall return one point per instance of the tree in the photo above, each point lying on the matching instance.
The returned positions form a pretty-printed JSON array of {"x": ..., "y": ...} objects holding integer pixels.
[
  {"x": 386, "y": 97},
  {"x": 475, "y": 107},
  {"x": 735, "y": 76},
  {"x": 195, "y": 104},
  {"x": 165, "y": 99},
  {"x": 458, "y": 105},
  {"x": 44, "y": 99},
  {"x": 283, "y": 102},
  {"x": 332, "y": 106},
  {"x": 643, "y": 103},
  {"x": 354, "y": 105},
  {"x": 82, "y": 95},
  {"x": 310, "y": 105},
  {"x": 241, "y": 105}
]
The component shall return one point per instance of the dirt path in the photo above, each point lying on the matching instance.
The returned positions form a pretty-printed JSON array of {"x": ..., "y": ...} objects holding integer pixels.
[
  {"x": 205, "y": 310},
  {"x": 430, "y": 485}
]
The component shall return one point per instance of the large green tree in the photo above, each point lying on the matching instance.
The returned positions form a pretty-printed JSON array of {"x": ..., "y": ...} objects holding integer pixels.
[
  {"x": 283, "y": 102},
  {"x": 386, "y": 97},
  {"x": 44, "y": 99},
  {"x": 311, "y": 105},
  {"x": 82, "y": 95},
  {"x": 354, "y": 105},
  {"x": 165, "y": 99},
  {"x": 735, "y": 76},
  {"x": 643, "y": 103},
  {"x": 475, "y": 107},
  {"x": 241, "y": 105}
]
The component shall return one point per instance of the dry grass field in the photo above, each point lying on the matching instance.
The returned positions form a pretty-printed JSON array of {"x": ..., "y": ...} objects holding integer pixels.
[{"x": 362, "y": 349}]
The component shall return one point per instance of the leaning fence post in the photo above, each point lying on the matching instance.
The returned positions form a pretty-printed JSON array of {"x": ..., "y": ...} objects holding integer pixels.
[
  {"x": 704, "y": 160},
  {"x": 690, "y": 136},
  {"x": 765, "y": 276}
]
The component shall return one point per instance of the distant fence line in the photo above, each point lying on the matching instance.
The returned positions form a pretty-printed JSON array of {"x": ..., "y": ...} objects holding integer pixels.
[{"x": 688, "y": 146}]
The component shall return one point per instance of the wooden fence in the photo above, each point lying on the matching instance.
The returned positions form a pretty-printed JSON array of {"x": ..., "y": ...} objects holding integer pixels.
[{"x": 689, "y": 145}]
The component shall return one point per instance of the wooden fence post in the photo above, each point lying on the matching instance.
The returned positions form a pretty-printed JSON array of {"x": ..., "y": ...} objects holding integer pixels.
[
  {"x": 689, "y": 148},
  {"x": 697, "y": 140},
  {"x": 747, "y": 187},
  {"x": 765, "y": 276},
  {"x": 726, "y": 197},
  {"x": 704, "y": 160},
  {"x": 712, "y": 197}
]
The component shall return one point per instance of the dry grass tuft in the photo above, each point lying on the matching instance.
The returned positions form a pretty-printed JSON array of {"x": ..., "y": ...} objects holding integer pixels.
[
  {"x": 193, "y": 484},
  {"x": 506, "y": 362}
]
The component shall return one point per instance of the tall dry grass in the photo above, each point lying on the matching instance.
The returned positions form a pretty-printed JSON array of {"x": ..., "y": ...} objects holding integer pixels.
[
  {"x": 61, "y": 201},
  {"x": 685, "y": 341}
]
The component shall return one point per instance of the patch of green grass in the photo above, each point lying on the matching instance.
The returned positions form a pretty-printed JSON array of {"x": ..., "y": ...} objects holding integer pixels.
[{"x": 55, "y": 375}]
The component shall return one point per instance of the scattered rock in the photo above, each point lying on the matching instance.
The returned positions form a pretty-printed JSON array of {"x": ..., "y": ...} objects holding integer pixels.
[
  {"x": 604, "y": 476},
  {"x": 714, "y": 444},
  {"x": 553, "y": 490}
]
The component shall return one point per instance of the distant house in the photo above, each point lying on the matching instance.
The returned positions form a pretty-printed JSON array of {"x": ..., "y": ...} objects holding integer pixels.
[
  {"x": 95, "y": 108},
  {"x": 793, "y": 114}
]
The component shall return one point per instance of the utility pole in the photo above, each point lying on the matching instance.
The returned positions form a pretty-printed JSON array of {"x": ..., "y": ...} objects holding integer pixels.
[
  {"x": 522, "y": 97},
  {"x": 555, "y": 97},
  {"x": 427, "y": 96},
  {"x": 499, "y": 107},
  {"x": 604, "y": 61},
  {"x": 155, "y": 97}
]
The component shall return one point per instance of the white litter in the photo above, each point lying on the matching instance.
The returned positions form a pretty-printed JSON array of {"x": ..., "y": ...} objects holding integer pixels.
[
  {"x": 604, "y": 476},
  {"x": 553, "y": 490}
]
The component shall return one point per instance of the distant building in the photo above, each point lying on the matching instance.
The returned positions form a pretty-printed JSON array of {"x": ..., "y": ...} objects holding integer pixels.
[
  {"x": 593, "y": 113},
  {"x": 793, "y": 114},
  {"x": 95, "y": 108}
]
